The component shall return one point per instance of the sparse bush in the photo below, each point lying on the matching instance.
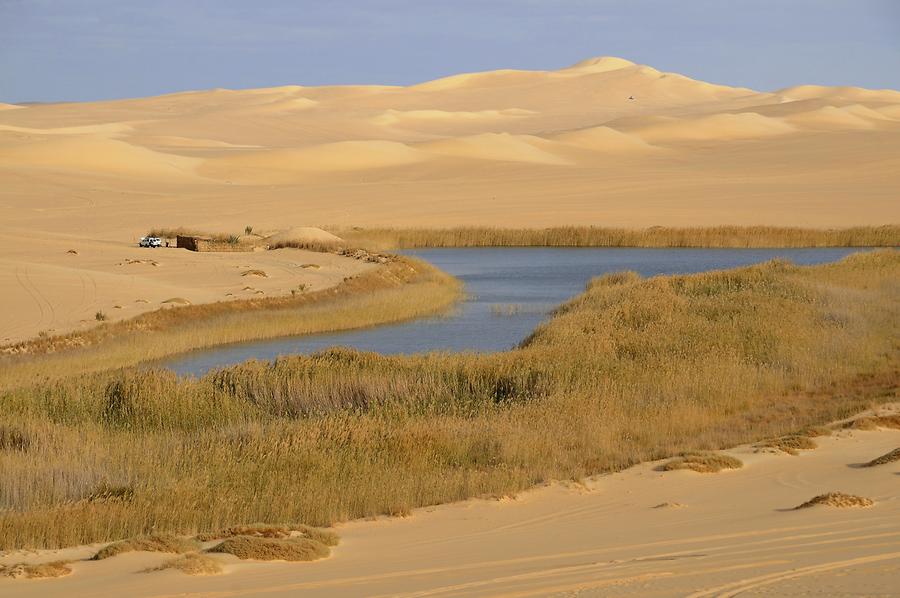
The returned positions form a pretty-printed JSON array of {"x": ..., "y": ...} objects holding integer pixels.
[
  {"x": 100, "y": 316},
  {"x": 248, "y": 230}
]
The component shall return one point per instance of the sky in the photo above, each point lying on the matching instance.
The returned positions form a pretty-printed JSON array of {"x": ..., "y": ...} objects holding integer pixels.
[{"x": 80, "y": 50}]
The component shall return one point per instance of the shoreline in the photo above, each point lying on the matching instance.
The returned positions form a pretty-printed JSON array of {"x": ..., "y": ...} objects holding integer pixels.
[
  {"x": 616, "y": 532},
  {"x": 399, "y": 290}
]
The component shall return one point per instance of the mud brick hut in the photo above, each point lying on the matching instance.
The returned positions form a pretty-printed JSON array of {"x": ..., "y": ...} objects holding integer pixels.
[{"x": 196, "y": 243}]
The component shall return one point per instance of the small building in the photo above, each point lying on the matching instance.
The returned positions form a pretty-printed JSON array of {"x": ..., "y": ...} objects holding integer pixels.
[{"x": 197, "y": 243}]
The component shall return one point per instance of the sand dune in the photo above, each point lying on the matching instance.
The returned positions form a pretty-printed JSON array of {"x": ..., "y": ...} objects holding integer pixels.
[
  {"x": 805, "y": 92},
  {"x": 604, "y": 139},
  {"x": 417, "y": 117},
  {"x": 636, "y": 532},
  {"x": 97, "y": 155},
  {"x": 854, "y": 116},
  {"x": 599, "y": 64},
  {"x": 718, "y": 127},
  {"x": 286, "y": 164},
  {"x": 497, "y": 146},
  {"x": 543, "y": 145}
]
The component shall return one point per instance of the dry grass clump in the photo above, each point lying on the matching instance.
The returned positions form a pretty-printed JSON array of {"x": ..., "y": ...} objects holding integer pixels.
[
  {"x": 155, "y": 543},
  {"x": 259, "y": 273},
  {"x": 111, "y": 492},
  {"x": 262, "y": 530},
  {"x": 837, "y": 499},
  {"x": 36, "y": 571},
  {"x": 814, "y": 431},
  {"x": 888, "y": 421},
  {"x": 319, "y": 246},
  {"x": 890, "y": 457},
  {"x": 656, "y": 236},
  {"x": 193, "y": 563},
  {"x": 273, "y": 549},
  {"x": 870, "y": 423},
  {"x": 791, "y": 444},
  {"x": 703, "y": 462},
  {"x": 13, "y": 439}
]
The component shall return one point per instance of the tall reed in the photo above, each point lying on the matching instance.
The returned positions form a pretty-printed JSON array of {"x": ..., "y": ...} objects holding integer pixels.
[
  {"x": 591, "y": 236},
  {"x": 632, "y": 369}
]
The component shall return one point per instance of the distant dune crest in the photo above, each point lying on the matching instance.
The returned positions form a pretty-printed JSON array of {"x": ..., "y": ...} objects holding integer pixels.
[{"x": 597, "y": 111}]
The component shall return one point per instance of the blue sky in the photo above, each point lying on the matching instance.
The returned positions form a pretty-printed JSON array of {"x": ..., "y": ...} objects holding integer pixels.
[{"x": 53, "y": 50}]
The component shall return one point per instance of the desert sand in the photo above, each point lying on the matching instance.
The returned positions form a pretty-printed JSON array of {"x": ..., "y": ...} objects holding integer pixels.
[
  {"x": 605, "y": 142},
  {"x": 47, "y": 289},
  {"x": 638, "y": 532}
]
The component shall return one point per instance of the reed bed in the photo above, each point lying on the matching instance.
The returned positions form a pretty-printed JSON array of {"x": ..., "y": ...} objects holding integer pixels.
[
  {"x": 591, "y": 236},
  {"x": 632, "y": 369}
]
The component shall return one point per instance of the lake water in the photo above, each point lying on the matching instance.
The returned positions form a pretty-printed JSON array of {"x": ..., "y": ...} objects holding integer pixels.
[{"x": 509, "y": 292}]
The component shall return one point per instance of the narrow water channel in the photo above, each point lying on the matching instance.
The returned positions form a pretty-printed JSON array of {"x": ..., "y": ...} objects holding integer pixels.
[{"x": 509, "y": 292}]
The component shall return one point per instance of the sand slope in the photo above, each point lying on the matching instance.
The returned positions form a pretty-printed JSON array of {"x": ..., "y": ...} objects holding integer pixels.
[
  {"x": 428, "y": 154},
  {"x": 638, "y": 532},
  {"x": 48, "y": 290}
]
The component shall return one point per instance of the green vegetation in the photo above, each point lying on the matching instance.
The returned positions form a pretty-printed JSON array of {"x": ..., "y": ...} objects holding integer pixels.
[
  {"x": 631, "y": 370},
  {"x": 590, "y": 236}
]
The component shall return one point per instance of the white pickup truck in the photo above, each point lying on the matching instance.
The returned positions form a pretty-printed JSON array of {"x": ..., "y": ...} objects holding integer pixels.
[{"x": 150, "y": 242}]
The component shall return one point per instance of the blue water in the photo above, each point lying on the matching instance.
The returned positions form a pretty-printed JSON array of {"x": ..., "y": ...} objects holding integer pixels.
[{"x": 509, "y": 292}]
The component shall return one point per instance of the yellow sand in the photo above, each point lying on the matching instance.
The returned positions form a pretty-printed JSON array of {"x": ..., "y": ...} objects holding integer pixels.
[
  {"x": 47, "y": 289},
  {"x": 733, "y": 532},
  {"x": 604, "y": 142}
]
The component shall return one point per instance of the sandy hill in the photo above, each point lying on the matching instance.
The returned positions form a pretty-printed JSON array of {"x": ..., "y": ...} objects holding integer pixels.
[{"x": 604, "y": 141}]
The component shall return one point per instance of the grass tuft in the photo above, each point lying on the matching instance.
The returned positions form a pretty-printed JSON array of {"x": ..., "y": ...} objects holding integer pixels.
[
  {"x": 36, "y": 571},
  {"x": 156, "y": 543},
  {"x": 262, "y": 530},
  {"x": 837, "y": 499},
  {"x": 890, "y": 457},
  {"x": 702, "y": 462},
  {"x": 791, "y": 444},
  {"x": 192, "y": 564},
  {"x": 14, "y": 439},
  {"x": 273, "y": 549}
]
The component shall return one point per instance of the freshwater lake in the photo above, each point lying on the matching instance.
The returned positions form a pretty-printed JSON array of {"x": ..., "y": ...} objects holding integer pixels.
[{"x": 509, "y": 292}]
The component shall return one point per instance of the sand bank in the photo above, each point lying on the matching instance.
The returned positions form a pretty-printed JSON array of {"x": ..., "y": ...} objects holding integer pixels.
[{"x": 640, "y": 531}]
